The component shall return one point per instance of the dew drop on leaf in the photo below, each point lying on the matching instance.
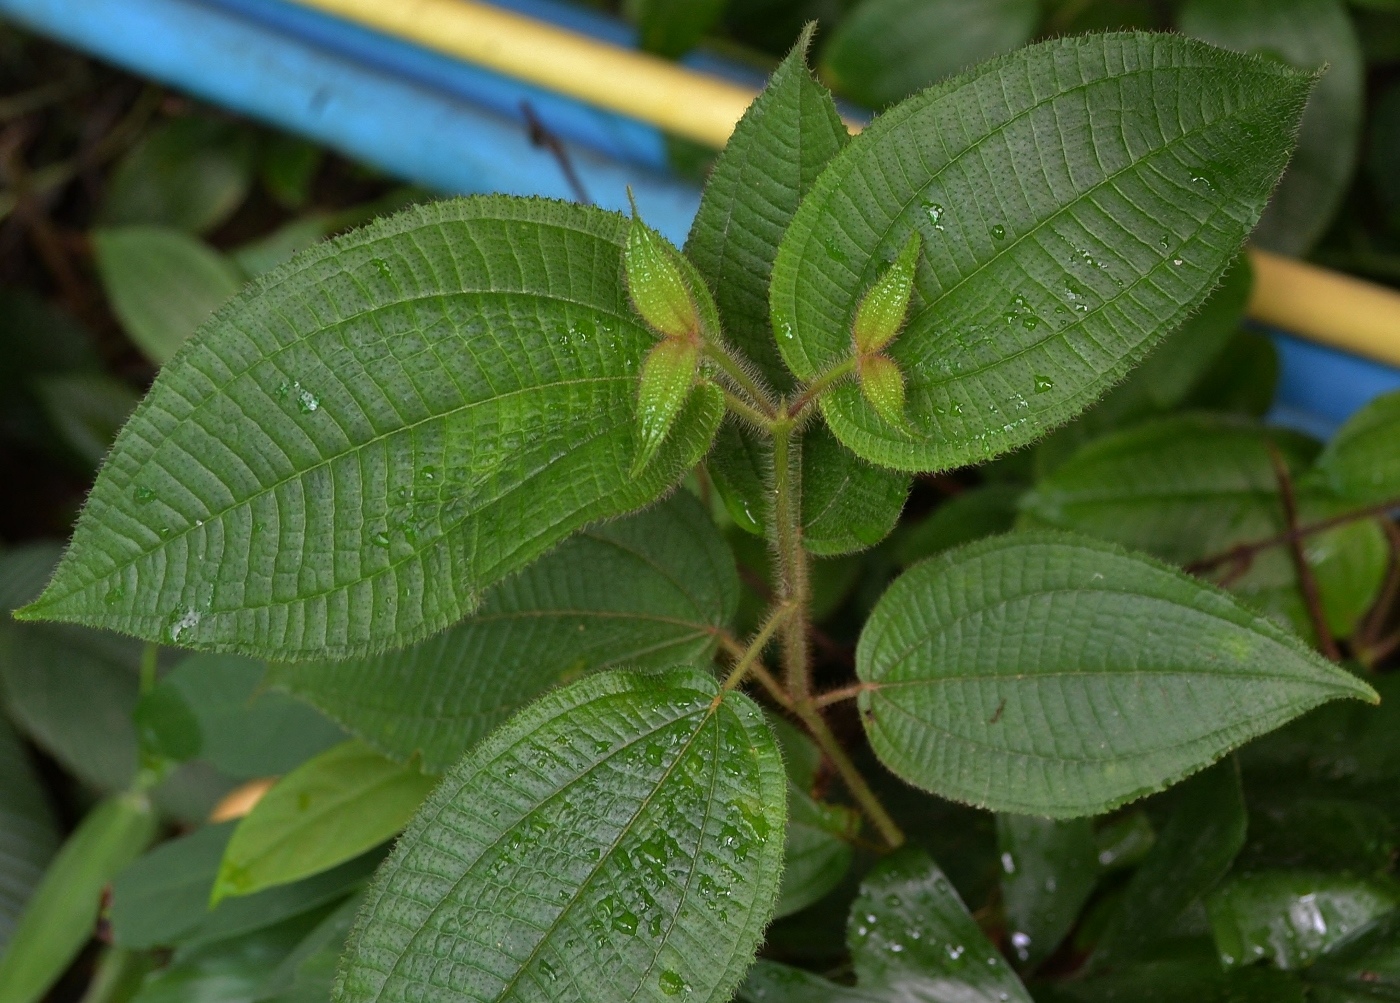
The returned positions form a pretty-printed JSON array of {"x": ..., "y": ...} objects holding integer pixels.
[
  {"x": 144, "y": 496},
  {"x": 999, "y": 232},
  {"x": 672, "y": 984},
  {"x": 1043, "y": 384}
]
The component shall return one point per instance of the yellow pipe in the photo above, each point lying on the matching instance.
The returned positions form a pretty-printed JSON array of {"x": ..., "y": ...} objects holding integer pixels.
[
  {"x": 1326, "y": 306},
  {"x": 1323, "y": 306}
]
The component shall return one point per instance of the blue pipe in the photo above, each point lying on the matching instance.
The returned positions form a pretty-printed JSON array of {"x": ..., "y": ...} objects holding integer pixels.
[{"x": 427, "y": 118}]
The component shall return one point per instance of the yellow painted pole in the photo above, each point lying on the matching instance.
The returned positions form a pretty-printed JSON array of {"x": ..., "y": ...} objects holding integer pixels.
[{"x": 1318, "y": 304}]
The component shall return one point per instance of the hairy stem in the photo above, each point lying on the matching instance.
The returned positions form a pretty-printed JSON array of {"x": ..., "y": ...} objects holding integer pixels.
[
  {"x": 855, "y": 783},
  {"x": 793, "y": 590},
  {"x": 745, "y": 410},
  {"x": 761, "y": 397},
  {"x": 780, "y": 615},
  {"x": 1307, "y": 582},
  {"x": 818, "y": 386}
]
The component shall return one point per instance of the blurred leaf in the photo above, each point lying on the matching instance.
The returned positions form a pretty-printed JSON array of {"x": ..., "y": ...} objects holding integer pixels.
[
  {"x": 328, "y": 810},
  {"x": 1288, "y": 828},
  {"x": 1362, "y": 462},
  {"x": 1383, "y": 153},
  {"x": 61, "y": 915},
  {"x": 190, "y": 174},
  {"x": 71, "y": 689},
  {"x": 162, "y": 284},
  {"x": 162, "y": 899},
  {"x": 770, "y": 982},
  {"x": 1364, "y": 966},
  {"x": 671, "y": 28},
  {"x": 885, "y": 50},
  {"x": 1243, "y": 379},
  {"x": 36, "y": 340},
  {"x": 305, "y": 975},
  {"x": 1124, "y": 841},
  {"x": 287, "y": 166},
  {"x": 1306, "y": 34},
  {"x": 818, "y": 850},
  {"x": 1290, "y": 917},
  {"x": 649, "y": 590},
  {"x": 978, "y": 512},
  {"x": 1194, "y": 850},
  {"x": 86, "y": 410},
  {"x": 1049, "y": 868},
  {"x": 166, "y": 728},
  {"x": 28, "y": 832},
  {"x": 267, "y": 252},
  {"x": 245, "y": 730},
  {"x": 1196, "y": 979},
  {"x": 1073, "y": 17}
]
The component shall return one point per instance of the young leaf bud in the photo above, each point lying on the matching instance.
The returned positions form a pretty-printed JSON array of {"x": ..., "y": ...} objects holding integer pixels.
[
  {"x": 883, "y": 386},
  {"x": 881, "y": 314},
  {"x": 667, "y": 376},
  {"x": 659, "y": 291}
]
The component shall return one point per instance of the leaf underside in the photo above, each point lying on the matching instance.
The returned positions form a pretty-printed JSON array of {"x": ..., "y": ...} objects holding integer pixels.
[
  {"x": 343, "y": 458},
  {"x": 1055, "y": 675}
]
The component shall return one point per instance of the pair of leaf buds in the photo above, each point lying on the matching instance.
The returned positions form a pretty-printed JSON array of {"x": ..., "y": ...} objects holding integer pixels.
[{"x": 674, "y": 301}]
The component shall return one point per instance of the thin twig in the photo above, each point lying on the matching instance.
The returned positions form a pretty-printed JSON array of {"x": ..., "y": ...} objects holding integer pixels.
[
  {"x": 844, "y": 693},
  {"x": 541, "y": 137},
  {"x": 1248, "y": 549},
  {"x": 780, "y": 616},
  {"x": 1307, "y": 582},
  {"x": 1365, "y": 640}
]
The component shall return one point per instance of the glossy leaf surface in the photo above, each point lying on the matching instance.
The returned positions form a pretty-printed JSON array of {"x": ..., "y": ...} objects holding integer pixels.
[
  {"x": 437, "y": 399},
  {"x": 1049, "y": 868},
  {"x": 1057, "y": 675},
  {"x": 818, "y": 851},
  {"x": 330, "y": 809},
  {"x": 648, "y": 590},
  {"x": 1035, "y": 296},
  {"x": 658, "y": 803}
]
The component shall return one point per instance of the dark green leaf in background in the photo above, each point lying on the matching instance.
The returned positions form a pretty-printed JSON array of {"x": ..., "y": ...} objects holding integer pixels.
[
  {"x": 1195, "y": 849},
  {"x": 1196, "y": 978},
  {"x": 308, "y": 972},
  {"x": 1306, "y": 34},
  {"x": 1033, "y": 296},
  {"x": 1361, "y": 463},
  {"x": 1057, "y": 675},
  {"x": 885, "y": 50},
  {"x": 435, "y": 401},
  {"x": 87, "y": 410},
  {"x": 1383, "y": 153},
  {"x": 649, "y": 590},
  {"x": 162, "y": 284},
  {"x": 671, "y": 28},
  {"x": 287, "y": 166},
  {"x": 1049, "y": 868},
  {"x": 1365, "y": 966},
  {"x": 982, "y": 511},
  {"x": 818, "y": 850},
  {"x": 770, "y": 982},
  {"x": 189, "y": 174},
  {"x": 658, "y": 803},
  {"x": 28, "y": 831}
]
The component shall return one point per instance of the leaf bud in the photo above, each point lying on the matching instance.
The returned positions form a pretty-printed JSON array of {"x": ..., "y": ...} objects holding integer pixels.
[
  {"x": 668, "y": 373},
  {"x": 881, "y": 314},
  {"x": 657, "y": 286},
  {"x": 883, "y": 386}
]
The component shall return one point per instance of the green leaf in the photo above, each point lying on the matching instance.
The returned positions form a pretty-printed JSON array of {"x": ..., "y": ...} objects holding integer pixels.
[
  {"x": 983, "y": 511},
  {"x": 1290, "y": 917},
  {"x": 267, "y": 252},
  {"x": 28, "y": 832},
  {"x": 646, "y": 591},
  {"x": 1243, "y": 379},
  {"x": 671, "y": 28},
  {"x": 1197, "y": 979},
  {"x": 780, "y": 146},
  {"x": 1124, "y": 841},
  {"x": 1189, "y": 486},
  {"x": 1307, "y": 34},
  {"x": 1130, "y": 153},
  {"x": 1057, "y": 675},
  {"x": 308, "y": 972},
  {"x": 162, "y": 899},
  {"x": 369, "y": 436},
  {"x": 818, "y": 850},
  {"x": 1290, "y": 829},
  {"x": 658, "y": 803},
  {"x": 86, "y": 410},
  {"x": 1049, "y": 869},
  {"x": 1364, "y": 966},
  {"x": 770, "y": 982},
  {"x": 166, "y": 728},
  {"x": 1195, "y": 849},
  {"x": 245, "y": 730},
  {"x": 287, "y": 168},
  {"x": 1362, "y": 462},
  {"x": 61, "y": 915},
  {"x": 885, "y": 50},
  {"x": 910, "y": 932},
  {"x": 70, "y": 689},
  {"x": 190, "y": 174},
  {"x": 162, "y": 284},
  {"x": 330, "y": 809}
]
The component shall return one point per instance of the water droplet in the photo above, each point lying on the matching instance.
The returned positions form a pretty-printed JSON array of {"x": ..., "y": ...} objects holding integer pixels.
[
  {"x": 833, "y": 251},
  {"x": 999, "y": 232},
  {"x": 185, "y": 618},
  {"x": 672, "y": 984},
  {"x": 934, "y": 211},
  {"x": 1008, "y": 863},
  {"x": 114, "y": 595},
  {"x": 1204, "y": 182},
  {"x": 549, "y": 971},
  {"x": 1043, "y": 384},
  {"x": 1178, "y": 262},
  {"x": 382, "y": 267},
  {"x": 955, "y": 951},
  {"x": 380, "y": 539},
  {"x": 1021, "y": 942}
]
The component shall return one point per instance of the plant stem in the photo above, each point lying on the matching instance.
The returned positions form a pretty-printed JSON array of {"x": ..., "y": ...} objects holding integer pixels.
[
  {"x": 754, "y": 651},
  {"x": 1307, "y": 582},
  {"x": 844, "y": 693},
  {"x": 793, "y": 590},
  {"x": 758, "y": 670},
  {"x": 1247, "y": 550},
  {"x": 745, "y": 410},
  {"x": 762, "y": 397},
  {"x": 855, "y": 783},
  {"x": 818, "y": 386}
]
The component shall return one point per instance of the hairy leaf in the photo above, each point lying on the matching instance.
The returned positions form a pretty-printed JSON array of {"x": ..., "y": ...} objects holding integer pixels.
[
  {"x": 163, "y": 284},
  {"x": 328, "y": 810},
  {"x": 370, "y": 435},
  {"x": 1309, "y": 34},
  {"x": 28, "y": 831},
  {"x": 1056, "y": 675},
  {"x": 649, "y": 590},
  {"x": 1056, "y": 190},
  {"x": 657, "y": 803},
  {"x": 885, "y": 50},
  {"x": 1195, "y": 849},
  {"x": 1362, "y": 462},
  {"x": 1049, "y": 869}
]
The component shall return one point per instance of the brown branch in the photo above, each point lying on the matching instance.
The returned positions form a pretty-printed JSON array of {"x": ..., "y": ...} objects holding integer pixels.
[
  {"x": 844, "y": 693},
  {"x": 1247, "y": 550},
  {"x": 1366, "y": 639},
  {"x": 1307, "y": 582},
  {"x": 540, "y": 136}
]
